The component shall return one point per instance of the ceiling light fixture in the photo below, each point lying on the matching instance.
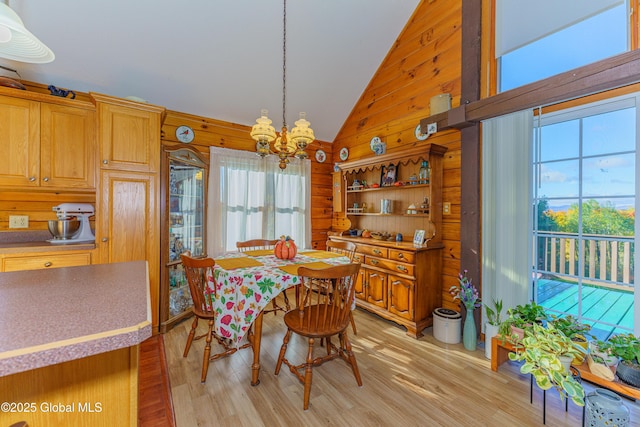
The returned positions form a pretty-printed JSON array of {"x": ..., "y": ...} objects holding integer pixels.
[
  {"x": 17, "y": 43},
  {"x": 285, "y": 146}
]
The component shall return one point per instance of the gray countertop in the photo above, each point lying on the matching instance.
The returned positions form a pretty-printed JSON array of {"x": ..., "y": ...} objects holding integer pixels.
[
  {"x": 53, "y": 316},
  {"x": 42, "y": 246}
]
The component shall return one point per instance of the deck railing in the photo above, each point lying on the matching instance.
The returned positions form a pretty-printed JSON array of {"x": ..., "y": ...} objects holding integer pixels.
[{"x": 605, "y": 258}]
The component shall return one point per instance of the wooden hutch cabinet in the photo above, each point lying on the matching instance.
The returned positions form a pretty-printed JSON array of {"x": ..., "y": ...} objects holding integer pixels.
[{"x": 399, "y": 280}]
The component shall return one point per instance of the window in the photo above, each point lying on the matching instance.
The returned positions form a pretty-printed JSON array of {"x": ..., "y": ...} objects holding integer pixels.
[
  {"x": 536, "y": 40},
  {"x": 584, "y": 200},
  {"x": 251, "y": 198}
]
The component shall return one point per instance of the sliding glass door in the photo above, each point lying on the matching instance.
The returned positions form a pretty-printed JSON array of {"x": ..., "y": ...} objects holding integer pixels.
[{"x": 584, "y": 201}]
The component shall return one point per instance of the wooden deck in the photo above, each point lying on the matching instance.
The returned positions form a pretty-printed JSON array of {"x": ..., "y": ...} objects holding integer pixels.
[{"x": 598, "y": 303}]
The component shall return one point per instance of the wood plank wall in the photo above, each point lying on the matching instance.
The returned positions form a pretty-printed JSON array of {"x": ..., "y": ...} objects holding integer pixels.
[
  {"x": 217, "y": 133},
  {"x": 425, "y": 61}
]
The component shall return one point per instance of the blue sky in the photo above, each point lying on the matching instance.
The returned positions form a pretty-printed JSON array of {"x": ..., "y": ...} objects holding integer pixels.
[{"x": 608, "y": 139}]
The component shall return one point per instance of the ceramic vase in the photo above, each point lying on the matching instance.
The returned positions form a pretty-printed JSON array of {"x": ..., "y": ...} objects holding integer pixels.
[{"x": 469, "y": 334}]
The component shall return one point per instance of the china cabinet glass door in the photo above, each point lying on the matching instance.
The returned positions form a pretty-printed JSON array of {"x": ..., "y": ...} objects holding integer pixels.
[{"x": 185, "y": 180}]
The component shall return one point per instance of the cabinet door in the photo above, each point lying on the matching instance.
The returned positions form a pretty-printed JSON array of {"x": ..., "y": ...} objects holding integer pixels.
[
  {"x": 401, "y": 294},
  {"x": 129, "y": 138},
  {"x": 20, "y": 147},
  {"x": 361, "y": 284},
  {"x": 67, "y": 157},
  {"x": 127, "y": 224},
  {"x": 377, "y": 288}
]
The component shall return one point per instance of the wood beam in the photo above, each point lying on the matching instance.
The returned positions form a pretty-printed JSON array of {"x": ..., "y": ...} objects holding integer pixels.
[
  {"x": 610, "y": 73},
  {"x": 470, "y": 162}
]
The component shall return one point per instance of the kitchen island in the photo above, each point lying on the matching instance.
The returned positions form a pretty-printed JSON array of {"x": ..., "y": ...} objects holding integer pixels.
[{"x": 69, "y": 343}]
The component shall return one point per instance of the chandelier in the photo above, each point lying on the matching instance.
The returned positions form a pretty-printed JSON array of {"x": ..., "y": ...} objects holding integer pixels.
[{"x": 286, "y": 144}]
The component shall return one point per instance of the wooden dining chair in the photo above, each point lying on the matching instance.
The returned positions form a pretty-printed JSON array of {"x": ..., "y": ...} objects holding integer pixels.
[
  {"x": 321, "y": 314},
  {"x": 202, "y": 285},
  {"x": 258, "y": 244},
  {"x": 347, "y": 249}
]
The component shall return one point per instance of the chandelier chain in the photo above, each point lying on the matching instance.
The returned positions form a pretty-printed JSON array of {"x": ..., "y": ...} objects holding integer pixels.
[{"x": 284, "y": 64}]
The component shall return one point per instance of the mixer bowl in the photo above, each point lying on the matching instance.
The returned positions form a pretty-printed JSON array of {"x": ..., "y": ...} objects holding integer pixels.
[{"x": 64, "y": 229}]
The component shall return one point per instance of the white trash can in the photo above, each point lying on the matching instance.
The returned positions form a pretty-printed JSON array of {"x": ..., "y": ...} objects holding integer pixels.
[{"x": 446, "y": 325}]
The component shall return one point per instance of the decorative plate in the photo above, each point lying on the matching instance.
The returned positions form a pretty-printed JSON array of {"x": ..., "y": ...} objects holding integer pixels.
[
  {"x": 421, "y": 136},
  {"x": 377, "y": 146},
  {"x": 344, "y": 154},
  {"x": 321, "y": 156}
]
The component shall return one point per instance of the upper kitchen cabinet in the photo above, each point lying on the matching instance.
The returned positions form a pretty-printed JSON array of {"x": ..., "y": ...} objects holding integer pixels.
[
  {"x": 47, "y": 145},
  {"x": 128, "y": 134}
]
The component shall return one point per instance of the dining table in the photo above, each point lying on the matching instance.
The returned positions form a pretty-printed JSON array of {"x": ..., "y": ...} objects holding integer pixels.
[{"x": 246, "y": 282}]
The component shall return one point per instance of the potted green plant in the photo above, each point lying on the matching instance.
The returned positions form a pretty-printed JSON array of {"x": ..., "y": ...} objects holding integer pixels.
[
  {"x": 520, "y": 317},
  {"x": 541, "y": 349},
  {"x": 627, "y": 348},
  {"x": 574, "y": 329},
  {"x": 492, "y": 325}
]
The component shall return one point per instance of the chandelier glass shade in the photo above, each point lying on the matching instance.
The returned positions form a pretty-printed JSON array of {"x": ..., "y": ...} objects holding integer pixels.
[{"x": 285, "y": 145}]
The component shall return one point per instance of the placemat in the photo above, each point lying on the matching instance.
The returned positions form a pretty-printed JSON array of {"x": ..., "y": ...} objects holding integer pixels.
[
  {"x": 293, "y": 268},
  {"x": 321, "y": 254},
  {"x": 259, "y": 252},
  {"x": 242, "y": 262}
]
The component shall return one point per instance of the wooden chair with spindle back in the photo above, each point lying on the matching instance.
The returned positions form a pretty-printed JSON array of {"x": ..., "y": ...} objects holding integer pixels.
[
  {"x": 347, "y": 249},
  {"x": 264, "y": 244},
  {"x": 199, "y": 273},
  {"x": 321, "y": 314}
]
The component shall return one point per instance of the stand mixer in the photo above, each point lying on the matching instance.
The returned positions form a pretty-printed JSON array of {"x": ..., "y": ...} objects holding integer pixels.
[{"x": 82, "y": 211}]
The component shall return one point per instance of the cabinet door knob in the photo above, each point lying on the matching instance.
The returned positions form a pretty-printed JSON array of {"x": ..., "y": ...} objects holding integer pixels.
[
  {"x": 45, "y": 179},
  {"x": 401, "y": 268},
  {"x": 32, "y": 178},
  {"x": 104, "y": 239},
  {"x": 401, "y": 256},
  {"x": 374, "y": 262},
  {"x": 105, "y": 162},
  {"x": 48, "y": 264},
  {"x": 377, "y": 252}
]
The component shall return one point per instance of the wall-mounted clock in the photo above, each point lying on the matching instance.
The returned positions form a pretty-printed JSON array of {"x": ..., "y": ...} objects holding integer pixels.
[{"x": 185, "y": 134}]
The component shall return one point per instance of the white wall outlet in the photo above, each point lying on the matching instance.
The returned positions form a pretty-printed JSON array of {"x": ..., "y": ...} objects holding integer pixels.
[
  {"x": 446, "y": 208},
  {"x": 18, "y": 221}
]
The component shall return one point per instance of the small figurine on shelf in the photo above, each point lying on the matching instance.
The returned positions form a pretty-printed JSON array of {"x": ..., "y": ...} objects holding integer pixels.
[{"x": 424, "y": 206}]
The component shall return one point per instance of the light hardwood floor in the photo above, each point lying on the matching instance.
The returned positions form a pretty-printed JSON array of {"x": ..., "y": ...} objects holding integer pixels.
[{"x": 406, "y": 382}]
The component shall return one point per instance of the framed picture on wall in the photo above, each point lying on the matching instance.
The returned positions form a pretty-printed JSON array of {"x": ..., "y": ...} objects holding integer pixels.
[
  {"x": 418, "y": 237},
  {"x": 389, "y": 175}
]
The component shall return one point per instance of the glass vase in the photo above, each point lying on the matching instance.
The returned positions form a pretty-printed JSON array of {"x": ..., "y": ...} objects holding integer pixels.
[{"x": 469, "y": 334}]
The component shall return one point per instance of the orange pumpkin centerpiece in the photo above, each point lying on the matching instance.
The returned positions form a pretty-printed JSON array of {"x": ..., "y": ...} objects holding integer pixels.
[{"x": 285, "y": 248}]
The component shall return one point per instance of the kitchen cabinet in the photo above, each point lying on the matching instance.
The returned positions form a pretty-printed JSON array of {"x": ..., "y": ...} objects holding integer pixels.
[
  {"x": 129, "y": 134},
  {"x": 47, "y": 145},
  {"x": 183, "y": 218},
  {"x": 45, "y": 260},
  {"x": 398, "y": 281},
  {"x": 127, "y": 197}
]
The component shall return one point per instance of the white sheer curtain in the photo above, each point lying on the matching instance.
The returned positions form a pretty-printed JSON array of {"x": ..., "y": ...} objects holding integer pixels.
[
  {"x": 251, "y": 198},
  {"x": 507, "y": 143}
]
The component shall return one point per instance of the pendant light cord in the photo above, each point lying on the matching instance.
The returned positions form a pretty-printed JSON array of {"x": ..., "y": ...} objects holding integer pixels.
[{"x": 284, "y": 64}]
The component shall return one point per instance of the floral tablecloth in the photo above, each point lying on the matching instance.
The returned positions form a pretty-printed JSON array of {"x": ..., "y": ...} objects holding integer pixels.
[{"x": 243, "y": 292}]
